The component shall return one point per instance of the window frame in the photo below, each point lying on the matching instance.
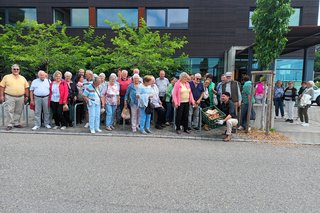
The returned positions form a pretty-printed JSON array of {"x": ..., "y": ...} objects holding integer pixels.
[
  {"x": 166, "y": 18},
  {"x": 70, "y": 8},
  {"x": 114, "y": 8}
]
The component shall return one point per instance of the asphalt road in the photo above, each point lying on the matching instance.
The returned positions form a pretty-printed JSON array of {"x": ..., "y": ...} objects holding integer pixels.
[{"x": 40, "y": 173}]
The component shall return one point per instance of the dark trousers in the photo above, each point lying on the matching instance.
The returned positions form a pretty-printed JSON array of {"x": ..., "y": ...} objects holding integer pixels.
[
  {"x": 278, "y": 103},
  {"x": 303, "y": 114},
  {"x": 182, "y": 114},
  {"x": 80, "y": 112},
  {"x": 161, "y": 115},
  {"x": 244, "y": 113},
  {"x": 57, "y": 113},
  {"x": 169, "y": 112}
]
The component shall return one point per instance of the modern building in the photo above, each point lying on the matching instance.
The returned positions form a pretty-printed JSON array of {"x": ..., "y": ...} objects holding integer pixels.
[{"x": 218, "y": 31}]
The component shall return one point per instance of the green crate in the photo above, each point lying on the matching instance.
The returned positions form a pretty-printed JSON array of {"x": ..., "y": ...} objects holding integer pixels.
[{"x": 211, "y": 123}]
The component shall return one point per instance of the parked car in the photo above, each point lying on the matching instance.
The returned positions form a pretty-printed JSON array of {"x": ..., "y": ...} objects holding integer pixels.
[{"x": 316, "y": 96}]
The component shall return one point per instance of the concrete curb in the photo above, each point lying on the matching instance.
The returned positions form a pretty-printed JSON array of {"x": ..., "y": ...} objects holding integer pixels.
[{"x": 117, "y": 134}]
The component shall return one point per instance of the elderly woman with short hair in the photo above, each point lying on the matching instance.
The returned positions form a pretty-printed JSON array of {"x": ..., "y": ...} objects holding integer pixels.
[
  {"x": 112, "y": 100},
  {"x": 131, "y": 100},
  {"x": 92, "y": 96},
  {"x": 182, "y": 98},
  {"x": 305, "y": 100},
  {"x": 58, "y": 99},
  {"x": 72, "y": 91},
  {"x": 144, "y": 94}
]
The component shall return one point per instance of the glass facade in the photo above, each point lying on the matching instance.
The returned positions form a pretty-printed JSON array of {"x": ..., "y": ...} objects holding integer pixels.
[
  {"x": 293, "y": 21},
  {"x": 72, "y": 17},
  {"x": 206, "y": 65},
  {"x": 289, "y": 69},
  {"x": 167, "y": 18},
  {"x": 130, "y": 15},
  {"x": 12, "y": 15}
]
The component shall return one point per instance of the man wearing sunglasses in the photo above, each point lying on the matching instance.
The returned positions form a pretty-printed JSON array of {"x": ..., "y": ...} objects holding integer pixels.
[{"x": 14, "y": 93}]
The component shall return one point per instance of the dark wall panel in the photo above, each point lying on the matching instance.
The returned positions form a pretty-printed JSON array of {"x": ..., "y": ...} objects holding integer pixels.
[{"x": 214, "y": 25}]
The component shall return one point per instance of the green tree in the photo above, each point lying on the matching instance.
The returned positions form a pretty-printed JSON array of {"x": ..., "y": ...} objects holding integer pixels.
[
  {"x": 48, "y": 46},
  {"x": 271, "y": 22},
  {"x": 140, "y": 47}
]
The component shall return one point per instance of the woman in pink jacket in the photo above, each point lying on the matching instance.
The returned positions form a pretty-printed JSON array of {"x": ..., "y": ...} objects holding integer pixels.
[{"x": 182, "y": 99}]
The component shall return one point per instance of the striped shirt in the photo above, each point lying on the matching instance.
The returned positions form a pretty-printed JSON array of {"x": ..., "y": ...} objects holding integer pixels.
[{"x": 93, "y": 94}]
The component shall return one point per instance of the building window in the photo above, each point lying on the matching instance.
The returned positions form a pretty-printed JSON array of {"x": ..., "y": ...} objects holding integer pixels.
[
  {"x": 156, "y": 18},
  {"x": 130, "y": 15},
  {"x": 293, "y": 21},
  {"x": 72, "y": 17},
  {"x": 12, "y": 15},
  {"x": 168, "y": 18},
  {"x": 213, "y": 66}
]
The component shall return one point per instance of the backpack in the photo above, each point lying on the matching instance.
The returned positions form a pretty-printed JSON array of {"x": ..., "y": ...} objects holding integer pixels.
[{"x": 259, "y": 89}]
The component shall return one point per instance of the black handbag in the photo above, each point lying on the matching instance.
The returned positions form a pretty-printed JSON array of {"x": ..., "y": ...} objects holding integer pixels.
[{"x": 148, "y": 109}]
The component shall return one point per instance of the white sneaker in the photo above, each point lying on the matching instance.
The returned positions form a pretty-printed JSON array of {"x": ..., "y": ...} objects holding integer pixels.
[
  {"x": 240, "y": 128},
  {"x": 55, "y": 127},
  {"x": 48, "y": 126},
  {"x": 92, "y": 131},
  {"x": 302, "y": 123},
  {"x": 305, "y": 124},
  {"x": 35, "y": 128},
  {"x": 63, "y": 128},
  {"x": 87, "y": 125},
  {"x": 98, "y": 130}
]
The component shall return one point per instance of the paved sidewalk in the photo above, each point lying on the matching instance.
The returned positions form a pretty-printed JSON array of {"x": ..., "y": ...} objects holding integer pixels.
[{"x": 300, "y": 134}]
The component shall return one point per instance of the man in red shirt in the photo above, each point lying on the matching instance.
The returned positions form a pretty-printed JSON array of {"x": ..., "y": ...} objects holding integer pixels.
[{"x": 124, "y": 82}]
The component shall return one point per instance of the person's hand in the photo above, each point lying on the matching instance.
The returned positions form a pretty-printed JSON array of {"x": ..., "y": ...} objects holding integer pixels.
[
  {"x": 137, "y": 96},
  {"x": 1, "y": 99},
  {"x": 75, "y": 98},
  {"x": 118, "y": 102},
  {"x": 195, "y": 105},
  {"x": 125, "y": 103},
  {"x": 32, "y": 102},
  {"x": 26, "y": 99},
  {"x": 220, "y": 122},
  {"x": 198, "y": 102}
]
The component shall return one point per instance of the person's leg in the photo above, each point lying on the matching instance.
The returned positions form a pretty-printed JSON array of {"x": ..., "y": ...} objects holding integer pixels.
[
  {"x": 37, "y": 111},
  {"x": 91, "y": 113},
  {"x": 290, "y": 110},
  {"x": 281, "y": 108},
  {"x": 114, "y": 109},
  {"x": 185, "y": 116},
  {"x": 179, "y": 115},
  {"x": 19, "y": 104},
  {"x": 109, "y": 115},
  {"x": 46, "y": 111},
  {"x": 276, "y": 107},
  {"x": 148, "y": 121},
  {"x": 134, "y": 115},
  {"x": 244, "y": 113},
  {"x": 143, "y": 117},
  {"x": 305, "y": 113},
  {"x": 54, "y": 108},
  {"x": 61, "y": 119},
  {"x": 286, "y": 108},
  {"x": 190, "y": 115},
  {"x": 195, "y": 117},
  {"x": 168, "y": 112},
  {"x": 232, "y": 122},
  {"x": 9, "y": 109},
  {"x": 97, "y": 108}
]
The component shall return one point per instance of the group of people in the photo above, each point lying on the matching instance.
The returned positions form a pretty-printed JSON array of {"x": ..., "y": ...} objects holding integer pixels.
[
  {"x": 102, "y": 101},
  {"x": 285, "y": 99}
]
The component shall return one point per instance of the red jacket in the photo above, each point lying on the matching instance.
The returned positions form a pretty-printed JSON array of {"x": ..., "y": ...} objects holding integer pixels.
[{"x": 63, "y": 88}]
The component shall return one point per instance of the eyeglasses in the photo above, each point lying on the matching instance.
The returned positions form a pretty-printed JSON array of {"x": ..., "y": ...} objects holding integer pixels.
[
  {"x": 198, "y": 78},
  {"x": 15, "y": 69}
]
